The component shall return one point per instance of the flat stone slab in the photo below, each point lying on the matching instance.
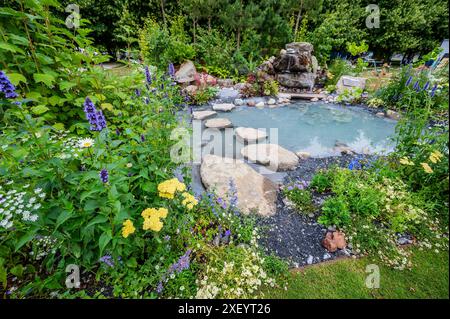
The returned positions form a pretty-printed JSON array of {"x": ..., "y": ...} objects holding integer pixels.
[
  {"x": 274, "y": 156},
  {"x": 248, "y": 134},
  {"x": 218, "y": 123},
  {"x": 223, "y": 107},
  {"x": 202, "y": 115},
  {"x": 255, "y": 193},
  {"x": 307, "y": 96},
  {"x": 347, "y": 82}
]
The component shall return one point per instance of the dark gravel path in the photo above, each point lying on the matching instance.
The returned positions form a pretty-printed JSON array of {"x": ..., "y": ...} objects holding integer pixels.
[{"x": 294, "y": 236}]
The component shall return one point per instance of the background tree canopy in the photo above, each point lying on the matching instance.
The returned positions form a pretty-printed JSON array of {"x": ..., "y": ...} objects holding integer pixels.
[{"x": 262, "y": 27}]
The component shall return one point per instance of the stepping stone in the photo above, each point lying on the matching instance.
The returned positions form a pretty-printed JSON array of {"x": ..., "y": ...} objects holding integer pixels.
[
  {"x": 201, "y": 115},
  {"x": 274, "y": 156},
  {"x": 223, "y": 107},
  {"x": 218, "y": 123},
  {"x": 249, "y": 134},
  {"x": 255, "y": 193}
]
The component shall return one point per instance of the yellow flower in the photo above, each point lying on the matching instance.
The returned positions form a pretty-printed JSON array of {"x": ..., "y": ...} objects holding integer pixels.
[
  {"x": 189, "y": 200},
  {"x": 426, "y": 168},
  {"x": 152, "y": 218},
  {"x": 406, "y": 161},
  {"x": 435, "y": 156},
  {"x": 168, "y": 188},
  {"x": 127, "y": 228},
  {"x": 129, "y": 165}
]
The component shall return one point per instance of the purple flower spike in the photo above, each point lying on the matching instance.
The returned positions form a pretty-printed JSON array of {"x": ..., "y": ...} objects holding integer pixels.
[
  {"x": 108, "y": 260},
  {"x": 148, "y": 76},
  {"x": 6, "y": 87},
  {"x": 408, "y": 82},
  {"x": 94, "y": 116},
  {"x": 104, "y": 176},
  {"x": 433, "y": 90},
  {"x": 171, "y": 70}
]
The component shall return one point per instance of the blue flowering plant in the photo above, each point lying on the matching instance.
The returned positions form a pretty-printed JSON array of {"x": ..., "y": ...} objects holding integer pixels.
[{"x": 415, "y": 88}]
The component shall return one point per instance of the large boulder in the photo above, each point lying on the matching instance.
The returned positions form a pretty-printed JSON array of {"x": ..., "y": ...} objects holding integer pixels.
[
  {"x": 186, "y": 73},
  {"x": 303, "y": 80},
  {"x": 293, "y": 62},
  {"x": 274, "y": 156},
  {"x": 350, "y": 83},
  {"x": 300, "y": 47},
  {"x": 255, "y": 193},
  {"x": 248, "y": 134}
]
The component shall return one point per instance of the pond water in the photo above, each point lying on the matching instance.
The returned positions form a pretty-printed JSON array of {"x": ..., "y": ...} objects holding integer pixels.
[{"x": 316, "y": 127}]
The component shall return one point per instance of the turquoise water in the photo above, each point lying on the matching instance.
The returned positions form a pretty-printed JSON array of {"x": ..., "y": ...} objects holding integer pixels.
[{"x": 316, "y": 127}]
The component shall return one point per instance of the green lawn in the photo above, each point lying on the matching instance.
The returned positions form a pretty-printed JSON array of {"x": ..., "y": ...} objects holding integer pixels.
[{"x": 345, "y": 278}]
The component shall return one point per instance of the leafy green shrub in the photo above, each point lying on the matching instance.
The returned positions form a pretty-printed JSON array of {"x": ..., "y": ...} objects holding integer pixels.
[
  {"x": 335, "y": 212},
  {"x": 372, "y": 204},
  {"x": 203, "y": 95},
  {"x": 321, "y": 182},
  {"x": 337, "y": 68},
  {"x": 259, "y": 84},
  {"x": 411, "y": 89},
  {"x": 161, "y": 46},
  {"x": 300, "y": 196},
  {"x": 44, "y": 60},
  {"x": 214, "y": 50}
]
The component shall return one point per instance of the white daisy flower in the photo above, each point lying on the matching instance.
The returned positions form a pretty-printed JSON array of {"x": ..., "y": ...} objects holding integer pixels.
[{"x": 86, "y": 143}]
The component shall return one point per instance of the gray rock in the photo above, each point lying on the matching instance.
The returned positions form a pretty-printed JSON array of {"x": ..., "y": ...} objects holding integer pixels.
[
  {"x": 310, "y": 260},
  {"x": 271, "y": 101},
  {"x": 326, "y": 256},
  {"x": 186, "y": 72},
  {"x": 393, "y": 115},
  {"x": 349, "y": 83},
  {"x": 223, "y": 107},
  {"x": 255, "y": 192},
  {"x": 228, "y": 95},
  {"x": 238, "y": 102},
  {"x": 303, "y": 80},
  {"x": 225, "y": 82}
]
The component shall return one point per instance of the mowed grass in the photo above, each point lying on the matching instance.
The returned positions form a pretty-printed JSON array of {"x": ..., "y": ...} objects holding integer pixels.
[{"x": 345, "y": 279}]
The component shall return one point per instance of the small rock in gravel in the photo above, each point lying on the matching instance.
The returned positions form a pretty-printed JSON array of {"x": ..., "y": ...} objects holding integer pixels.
[
  {"x": 404, "y": 241},
  {"x": 310, "y": 260},
  {"x": 326, "y": 256}
]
